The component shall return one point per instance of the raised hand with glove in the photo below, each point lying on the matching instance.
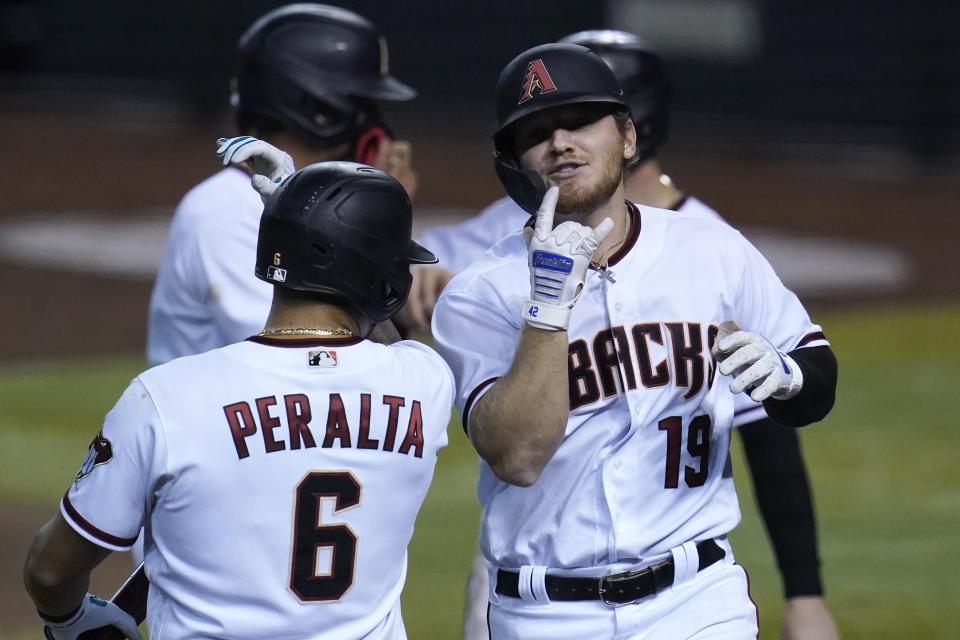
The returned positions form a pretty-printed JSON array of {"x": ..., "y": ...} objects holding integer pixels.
[
  {"x": 558, "y": 259},
  {"x": 758, "y": 367},
  {"x": 270, "y": 165},
  {"x": 93, "y": 613}
]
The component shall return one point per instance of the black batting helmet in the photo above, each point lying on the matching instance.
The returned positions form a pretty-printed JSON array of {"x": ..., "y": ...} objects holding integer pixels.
[
  {"x": 544, "y": 77},
  {"x": 314, "y": 70},
  {"x": 343, "y": 230},
  {"x": 642, "y": 75}
]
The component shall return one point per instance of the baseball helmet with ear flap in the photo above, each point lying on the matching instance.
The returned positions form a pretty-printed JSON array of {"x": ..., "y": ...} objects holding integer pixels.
[
  {"x": 342, "y": 230},
  {"x": 642, "y": 74},
  {"x": 548, "y": 76},
  {"x": 318, "y": 72}
]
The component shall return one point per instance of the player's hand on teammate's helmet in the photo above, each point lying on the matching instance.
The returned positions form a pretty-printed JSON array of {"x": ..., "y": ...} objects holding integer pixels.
[
  {"x": 757, "y": 366},
  {"x": 428, "y": 282},
  {"x": 807, "y": 618},
  {"x": 270, "y": 165},
  {"x": 93, "y": 613},
  {"x": 558, "y": 259}
]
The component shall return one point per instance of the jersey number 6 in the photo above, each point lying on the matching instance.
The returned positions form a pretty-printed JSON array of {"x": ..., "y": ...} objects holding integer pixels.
[{"x": 309, "y": 536}]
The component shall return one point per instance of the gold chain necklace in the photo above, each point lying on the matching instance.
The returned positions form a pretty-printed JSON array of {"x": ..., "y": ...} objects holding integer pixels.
[{"x": 304, "y": 331}]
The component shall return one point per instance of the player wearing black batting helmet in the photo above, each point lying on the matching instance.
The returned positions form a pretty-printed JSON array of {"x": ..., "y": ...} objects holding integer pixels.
[
  {"x": 358, "y": 221},
  {"x": 311, "y": 79},
  {"x": 335, "y": 246},
  {"x": 316, "y": 71},
  {"x": 564, "y": 118},
  {"x": 551, "y": 75},
  {"x": 642, "y": 75},
  {"x": 776, "y": 464}
]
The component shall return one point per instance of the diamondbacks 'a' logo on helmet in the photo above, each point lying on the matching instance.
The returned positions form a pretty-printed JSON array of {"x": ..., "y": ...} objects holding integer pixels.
[
  {"x": 101, "y": 452},
  {"x": 537, "y": 79}
]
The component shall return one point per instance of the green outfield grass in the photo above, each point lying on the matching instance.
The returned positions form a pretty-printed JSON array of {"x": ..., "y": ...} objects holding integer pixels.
[{"x": 883, "y": 467}]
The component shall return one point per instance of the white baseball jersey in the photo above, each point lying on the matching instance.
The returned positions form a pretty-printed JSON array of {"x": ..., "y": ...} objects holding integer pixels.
[
  {"x": 458, "y": 245},
  {"x": 206, "y": 295},
  {"x": 277, "y": 484},
  {"x": 643, "y": 465}
]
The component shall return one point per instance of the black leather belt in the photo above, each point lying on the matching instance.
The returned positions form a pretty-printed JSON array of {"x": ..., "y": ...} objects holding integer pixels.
[{"x": 617, "y": 588}]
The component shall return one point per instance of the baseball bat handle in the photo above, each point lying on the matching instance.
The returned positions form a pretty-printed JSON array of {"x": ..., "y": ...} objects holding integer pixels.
[{"x": 132, "y": 598}]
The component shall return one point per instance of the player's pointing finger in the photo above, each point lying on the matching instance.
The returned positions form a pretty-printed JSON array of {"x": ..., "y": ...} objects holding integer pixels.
[{"x": 544, "y": 223}]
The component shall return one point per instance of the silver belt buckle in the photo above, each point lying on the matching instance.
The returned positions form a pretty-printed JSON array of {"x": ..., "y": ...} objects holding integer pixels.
[
  {"x": 602, "y": 588},
  {"x": 654, "y": 570}
]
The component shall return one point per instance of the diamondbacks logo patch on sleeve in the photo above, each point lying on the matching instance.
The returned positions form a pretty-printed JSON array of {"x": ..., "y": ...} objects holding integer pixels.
[{"x": 101, "y": 452}]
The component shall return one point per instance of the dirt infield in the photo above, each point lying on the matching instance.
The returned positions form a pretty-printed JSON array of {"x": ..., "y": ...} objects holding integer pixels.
[{"x": 65, "y": 165}]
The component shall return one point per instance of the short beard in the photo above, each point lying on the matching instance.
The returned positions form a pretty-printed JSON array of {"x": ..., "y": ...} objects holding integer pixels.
[{"x": 586, "y": 201}]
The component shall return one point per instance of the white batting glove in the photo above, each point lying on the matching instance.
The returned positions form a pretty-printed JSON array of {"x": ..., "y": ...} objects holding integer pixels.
[
  {"x": 94, "y": 613},
  {"x": 558, "y": 260},
  {"x": 758, "y": 367},
  {"x": 270, "y": 165}
]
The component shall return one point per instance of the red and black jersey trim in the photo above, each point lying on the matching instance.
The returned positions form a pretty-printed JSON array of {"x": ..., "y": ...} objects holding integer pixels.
[
  {"x": 473, "y": 398},
  {"x": 632, "y": 235},
  {"x": 299, "y": 343},
  {"x": 811, "y": 337},
  {"x": 94, "y": 531}
]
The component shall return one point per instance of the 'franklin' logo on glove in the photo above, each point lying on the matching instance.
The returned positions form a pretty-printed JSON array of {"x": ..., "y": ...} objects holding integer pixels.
[{"x": 552, "y": 262}]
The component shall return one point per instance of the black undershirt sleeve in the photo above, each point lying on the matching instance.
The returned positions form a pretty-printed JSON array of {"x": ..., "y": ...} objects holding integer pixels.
[
  {"x": 783, "y": 496},
  {"x": 813, "y": 403}
]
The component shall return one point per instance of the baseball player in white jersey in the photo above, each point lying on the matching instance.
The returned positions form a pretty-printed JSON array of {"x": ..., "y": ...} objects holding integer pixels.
[
  {"x": 278, "y": 479},
  {"x": 774, "y": 456},
  {"x": 582, "y": 354},
  {"x": 308, "y": 80}
]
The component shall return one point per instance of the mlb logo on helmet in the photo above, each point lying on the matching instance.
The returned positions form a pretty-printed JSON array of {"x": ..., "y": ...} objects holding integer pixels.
[
  {"x": 276, "y": 274},
  {"x": 537, "y": 77}
]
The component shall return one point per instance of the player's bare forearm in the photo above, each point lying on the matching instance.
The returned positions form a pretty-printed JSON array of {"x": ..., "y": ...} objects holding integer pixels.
[
  {"x": 57, "y": 570},
  {"x": 519, "y": 423}
]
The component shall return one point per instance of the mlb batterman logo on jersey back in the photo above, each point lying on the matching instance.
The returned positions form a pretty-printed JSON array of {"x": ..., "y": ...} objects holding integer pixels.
[
  {"x": 101, "y": 452},
  {"x": 537, "y": 78},
  {"x": 323, "y": 358}
]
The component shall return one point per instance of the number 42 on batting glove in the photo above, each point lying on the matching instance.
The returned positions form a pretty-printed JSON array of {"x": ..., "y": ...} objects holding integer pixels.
[
  {"x": 758, "y": 367},
  {"x": 558, "y": 260}
]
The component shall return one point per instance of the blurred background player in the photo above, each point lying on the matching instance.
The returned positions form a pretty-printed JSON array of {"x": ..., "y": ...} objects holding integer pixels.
[
  {"x": 773, "y": 452},
  {"x": 277, "y": 479},
  {"x": 309, "y": 79}
]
